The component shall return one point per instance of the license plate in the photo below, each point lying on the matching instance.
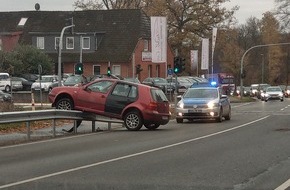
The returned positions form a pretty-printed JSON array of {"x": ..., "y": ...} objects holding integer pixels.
[{"x": 194, "y": 111}]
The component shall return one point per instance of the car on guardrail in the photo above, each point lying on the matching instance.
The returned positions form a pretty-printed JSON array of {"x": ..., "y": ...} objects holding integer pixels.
[{"x": 135, "y": 104}]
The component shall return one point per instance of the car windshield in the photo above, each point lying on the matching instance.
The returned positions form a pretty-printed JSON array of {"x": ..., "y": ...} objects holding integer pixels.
[
  {"x": 201, "y": 93},
  {"x": 47, "y": 79},
  {"x": 73, "y": 79},
  {"x": 160, "y": 80},
  {"x": 274, "y": 89}
]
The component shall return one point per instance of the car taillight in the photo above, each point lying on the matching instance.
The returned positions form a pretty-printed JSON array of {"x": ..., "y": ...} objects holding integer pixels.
[{"x": 152, "y": 105}]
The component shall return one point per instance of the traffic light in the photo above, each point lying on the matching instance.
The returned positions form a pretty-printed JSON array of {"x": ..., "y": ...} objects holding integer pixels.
[
  {"x": 176, "y": 68},
  {"x": 179, "y": 65},
  {"x": 109, "y": 71},
  {"x": 79, "y": 68},
  {"x": 138, "y": 69}
]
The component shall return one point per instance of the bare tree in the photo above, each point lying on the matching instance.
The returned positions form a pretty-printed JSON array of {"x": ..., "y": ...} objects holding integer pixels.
[{"x": 282, "y": 11}]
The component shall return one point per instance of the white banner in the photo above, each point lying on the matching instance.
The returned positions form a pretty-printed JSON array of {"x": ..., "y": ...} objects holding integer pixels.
[
  {"x": 194, "y": 59},
  {"x": 159, "y": 39},
  {"x": 205, "y": 54},
  {"x": 214, "y": 34}
]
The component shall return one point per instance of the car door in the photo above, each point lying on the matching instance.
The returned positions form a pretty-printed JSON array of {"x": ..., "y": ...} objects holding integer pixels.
[
  {"x": 93, "y": 97},
  {"x": 121, "y": 96}
]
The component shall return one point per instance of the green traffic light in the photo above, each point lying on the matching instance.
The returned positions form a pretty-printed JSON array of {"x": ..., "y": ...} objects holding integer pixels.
[{"x": 176, "y": 70}]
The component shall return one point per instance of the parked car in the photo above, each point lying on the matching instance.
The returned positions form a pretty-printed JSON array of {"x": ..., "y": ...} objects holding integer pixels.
[
  {"x": 203, "y": 103},
  {"x": 26, "y": 84},
  {"x": 182, "y": 83},
  {"x": 132, "y": 79},
  {"x": 47, "y": 83},
  {"x": 136, "y": 104},
  {"x": 74, "y": 80},
  {"x": 159, "y": 82},
  {"x": 5, "y": 97},
  {"x": 273, "y": 93}
]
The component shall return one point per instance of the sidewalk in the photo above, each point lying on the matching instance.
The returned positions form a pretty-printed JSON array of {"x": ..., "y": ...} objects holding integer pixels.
[{"x": 47, "y": 133}]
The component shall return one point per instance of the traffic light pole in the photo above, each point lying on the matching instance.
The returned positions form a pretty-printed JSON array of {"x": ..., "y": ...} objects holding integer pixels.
[
  {"x": 59, "y": 53},
  {"x": 242, "y": 63}
]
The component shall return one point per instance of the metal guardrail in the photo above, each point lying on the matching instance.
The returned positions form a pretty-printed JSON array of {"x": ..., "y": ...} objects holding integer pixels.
[{"x": 53, "y": 114}]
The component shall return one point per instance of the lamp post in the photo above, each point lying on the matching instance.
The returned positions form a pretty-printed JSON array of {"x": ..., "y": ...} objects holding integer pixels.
[{"x": 263, "y": 67}]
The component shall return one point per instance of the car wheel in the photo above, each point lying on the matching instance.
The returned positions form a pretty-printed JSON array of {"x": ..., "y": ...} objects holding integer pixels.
[
  {"x": 7, "y": 88},
  {"x": 151, "y": 126},
  {"x": 66, "y": 104},
  {"x": 133, "y": 121},
  {"x": 220, "y": 118},
  {"x": 266, "y": 100},
  {"x": 179, "y": 120},
  {"x": 282, "y": 100},
  {"x": 228, "y": 117}
]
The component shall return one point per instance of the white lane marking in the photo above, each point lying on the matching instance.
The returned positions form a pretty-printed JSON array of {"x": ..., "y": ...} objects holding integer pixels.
[
  {"x": 284, "y": 185},
  {"x": 240, "y": 105},
  {"x": 128, "y": 156}
]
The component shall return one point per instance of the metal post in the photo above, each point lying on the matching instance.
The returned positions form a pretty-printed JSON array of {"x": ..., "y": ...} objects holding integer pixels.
[
  {"x": 53, "y": 128},
  {"x": 263, "y": 67},
  {"x": 28, "y": 130},
  {"x": 242, "y": 61},
  {"x": 59, "y": 53}
]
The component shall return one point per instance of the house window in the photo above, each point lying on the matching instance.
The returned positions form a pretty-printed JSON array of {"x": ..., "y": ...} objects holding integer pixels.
[
  {"x": 146, "y": 45},
  {"x": 40, "y": 42},
  {"x": 70, "y": 43},
  {"x": 96, "y": 43},
  {"x": 56, "y": 42},
  {"x": 158, "y": 70},
  {"x": 1, "y": 48},
  {"x": 86, "y": 42},
  {"x": 116, "y": 70},
  {"x": 149, "y": 70},
  {"x": 97, "y": 69}
]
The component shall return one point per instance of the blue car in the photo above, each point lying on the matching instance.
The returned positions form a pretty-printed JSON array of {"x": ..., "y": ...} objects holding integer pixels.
[{"x": 203, "y": 102}]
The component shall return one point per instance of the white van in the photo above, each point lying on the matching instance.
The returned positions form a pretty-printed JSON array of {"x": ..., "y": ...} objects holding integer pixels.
[{"x": 5, "y": 82}]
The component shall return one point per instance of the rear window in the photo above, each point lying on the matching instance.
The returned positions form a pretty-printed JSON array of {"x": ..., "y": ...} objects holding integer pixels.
[{"x": 158, "y": 95}]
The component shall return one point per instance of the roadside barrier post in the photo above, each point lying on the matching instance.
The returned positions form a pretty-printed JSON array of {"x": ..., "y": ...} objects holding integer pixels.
[{"x": 32, "y": 101}]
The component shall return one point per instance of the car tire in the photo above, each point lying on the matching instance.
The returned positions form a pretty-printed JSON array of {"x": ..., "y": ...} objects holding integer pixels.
[
  {"x": 133, "y": 121},
  {"x": 282, "y": 100},
  {"x": 7, "y": 88},
  {"x": 220, "y": 117},
  {"x": 228, "y": 117},
  {"x": 179, "y": 120},
  {"x": 151, "y": 126},
  {"x": 66, "y": 104}
]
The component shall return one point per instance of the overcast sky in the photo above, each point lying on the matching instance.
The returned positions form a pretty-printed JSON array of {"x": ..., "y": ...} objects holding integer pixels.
[{"x": 247, "y": 7}]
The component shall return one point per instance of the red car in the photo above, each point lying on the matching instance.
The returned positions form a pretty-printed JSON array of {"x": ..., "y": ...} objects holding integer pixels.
[{"x": 134, "y": 103}]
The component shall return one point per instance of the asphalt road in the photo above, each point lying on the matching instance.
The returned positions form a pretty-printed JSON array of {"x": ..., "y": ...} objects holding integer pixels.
[{"x": 251, "y": 151}]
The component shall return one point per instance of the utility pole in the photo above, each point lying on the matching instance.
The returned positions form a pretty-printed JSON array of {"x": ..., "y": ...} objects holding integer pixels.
[
  {"x": 59, "y": 52},
  {"x": 242, "y": 61}
]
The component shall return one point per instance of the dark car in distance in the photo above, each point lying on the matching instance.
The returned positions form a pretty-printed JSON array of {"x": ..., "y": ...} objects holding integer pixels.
[
  {"x": 5, "y": 97},
  {"x": 160, "y": 83},
  {"x": 135, "y": 104}
]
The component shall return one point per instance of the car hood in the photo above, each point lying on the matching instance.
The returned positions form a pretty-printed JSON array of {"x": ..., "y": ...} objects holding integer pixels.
[{"x": 198, "y": 100}]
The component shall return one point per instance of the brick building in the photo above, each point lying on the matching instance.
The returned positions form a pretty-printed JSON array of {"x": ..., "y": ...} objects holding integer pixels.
[{"x": 119, "y": 38}]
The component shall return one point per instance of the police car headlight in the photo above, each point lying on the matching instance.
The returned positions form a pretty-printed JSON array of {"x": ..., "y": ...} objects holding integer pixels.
[{"x": 212, "y": 104}]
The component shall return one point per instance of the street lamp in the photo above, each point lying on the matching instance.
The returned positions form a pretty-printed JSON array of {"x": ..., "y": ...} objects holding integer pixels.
[{"x": 263, "y": 67}]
